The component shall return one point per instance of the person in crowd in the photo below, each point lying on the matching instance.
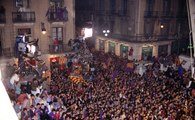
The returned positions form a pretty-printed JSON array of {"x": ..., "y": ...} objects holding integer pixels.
[{"x": 56, "y": 44}]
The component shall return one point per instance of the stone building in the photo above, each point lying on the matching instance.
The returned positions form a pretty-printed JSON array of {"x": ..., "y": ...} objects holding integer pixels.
[
  {"x": 31, "y": 18},
  {"x": 140, "y": 29}
]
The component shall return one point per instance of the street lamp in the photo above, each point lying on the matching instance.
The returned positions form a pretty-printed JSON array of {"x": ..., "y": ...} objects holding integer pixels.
[
  {"x": 43, "y": 28},
  {"x": 161, "y": 26},
  {"x": 191, "y": 57},
  {"x": 106, "y": 32}
]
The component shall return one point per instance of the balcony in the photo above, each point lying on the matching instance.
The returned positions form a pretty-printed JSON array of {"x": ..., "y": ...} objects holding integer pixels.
[
  {"x": 100, "y": 12},
  {"x": 57, "y": 16},
  {"x": 23, "y": 17},
  {"x": 122, "y": 12},
  {"x": 144, "y": 38},
  {"x": 150, "y": 14},
  {"x": 167, "y": 14},
  {"x": 182, "y": 16},
  {"x": 113, "y": 12},
  {"x": 2, "y": 18},
  {"x": 62, "y": 48}
]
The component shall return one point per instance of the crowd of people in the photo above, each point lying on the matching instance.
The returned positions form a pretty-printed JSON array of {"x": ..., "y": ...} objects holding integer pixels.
[{"x": 114, "y": 93}]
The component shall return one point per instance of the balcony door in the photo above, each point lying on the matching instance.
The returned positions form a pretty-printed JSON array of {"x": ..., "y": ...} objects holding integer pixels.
[
  {"x": 57, "y": 33},
  {"x": 150, "y": 5},
  {"x": 148, "y": 27}
]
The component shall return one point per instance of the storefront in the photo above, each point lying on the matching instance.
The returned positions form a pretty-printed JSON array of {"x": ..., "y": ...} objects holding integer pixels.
[
  {"x": 133, "y": 50},
  {"x": 162, "y": 50},
  {"x": 102, "y": 45},
  {"x": 123, "y": 51},
  {"x": 147, "y": 52},
  {"x": 111, "y": 47}
]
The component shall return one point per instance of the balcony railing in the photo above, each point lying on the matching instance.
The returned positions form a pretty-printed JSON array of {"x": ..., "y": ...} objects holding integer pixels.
[
  {"x": 2, "y": 18},
  {"x": 166, "y": 14},
  {"x": 113, "y": 12},
  {"x": 61, "y": 48},
  {"x": 151, "y": 14},
  {"x": 144, "y": 38},
  {"x": 101, "y": 12},
  {"x": 122, "y": 12},
  {"x": 58, "y": 16},
  {"x": 182, "y": 15},
  {"x": 23, "y": 17}
]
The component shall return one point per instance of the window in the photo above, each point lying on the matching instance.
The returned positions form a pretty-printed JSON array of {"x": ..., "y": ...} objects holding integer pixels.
[
  {"x": 148, "y": 27},
  {"x": 24, "y": 31},
  {"x": 166, "y": 5},
  {"x": 56, "y": 3},
  {"x": 150, "y": 5},
  {"x": 101, "y": 5},
  {"x": 57, "y": 33},
  {"x": 23, "y": 3},
  {"x": 113, "y": 6},
  {"x": 124, "y": 4},
  {"x": 112, "y": 26}
]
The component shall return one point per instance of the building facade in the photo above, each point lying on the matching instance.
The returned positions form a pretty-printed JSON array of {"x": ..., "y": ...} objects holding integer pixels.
[
  {"x": 31, "y": 18},
  {"x": 140, "y": 29}
]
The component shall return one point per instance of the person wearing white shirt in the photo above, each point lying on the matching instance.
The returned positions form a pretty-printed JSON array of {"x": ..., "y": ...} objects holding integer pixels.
[{"x": 14, "y": 78}]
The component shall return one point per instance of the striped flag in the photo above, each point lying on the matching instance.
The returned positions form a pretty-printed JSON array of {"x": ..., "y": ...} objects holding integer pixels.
[{"x": 77, "y": 79}]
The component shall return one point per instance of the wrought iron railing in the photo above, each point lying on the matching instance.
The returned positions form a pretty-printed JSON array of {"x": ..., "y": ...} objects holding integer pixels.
[
  {"x": 23, "y": 17},
  {"x": 150, "y": 14},
  {"x": 122, "y": 12},
  {"x": 143, "y": 38},
  {"x": 166, "y": 14},
  {"x": 58, "y": 16},
  {"x": 101, "y": 12},
  {"x": 182, "y": 15}
]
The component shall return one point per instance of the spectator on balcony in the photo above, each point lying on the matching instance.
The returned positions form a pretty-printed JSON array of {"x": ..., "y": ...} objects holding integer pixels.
[
  {"x": 65, "y": 14},
  {"x": 59, "y": 13},
  {"x": 21, "y": 16},
  {"x": 50, "y": 13},
  {"x": 56, "y": 44},
  {"x": 22, "y": 9}
]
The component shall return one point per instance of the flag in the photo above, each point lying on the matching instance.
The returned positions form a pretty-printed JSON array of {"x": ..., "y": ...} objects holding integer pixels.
[{"x": 77, "y": 79}]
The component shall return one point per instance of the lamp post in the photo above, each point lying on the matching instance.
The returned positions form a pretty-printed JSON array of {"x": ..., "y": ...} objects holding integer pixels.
[
  {"x": 191, "y": 57},
  {"x": 106, "y": 32}
]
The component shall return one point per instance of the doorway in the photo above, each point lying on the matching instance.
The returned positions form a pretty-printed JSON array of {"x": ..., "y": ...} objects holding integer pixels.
[{"x": 147, "y": 53}]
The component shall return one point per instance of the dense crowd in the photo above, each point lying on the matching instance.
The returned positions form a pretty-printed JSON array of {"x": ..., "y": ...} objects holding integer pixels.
[{"x": 114, "y": 93}]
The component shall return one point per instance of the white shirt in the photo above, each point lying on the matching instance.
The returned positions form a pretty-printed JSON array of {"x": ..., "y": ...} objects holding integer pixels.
[
  {"x": 189, "y": 84},
  {"x": 14, "y": 78}
]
